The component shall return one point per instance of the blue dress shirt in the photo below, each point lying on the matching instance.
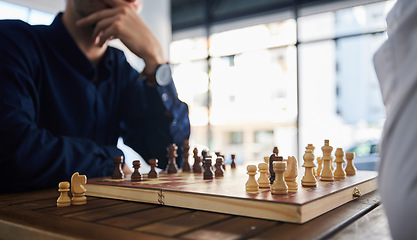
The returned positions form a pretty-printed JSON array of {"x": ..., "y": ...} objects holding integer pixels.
[{"x": 60, "y": 114}]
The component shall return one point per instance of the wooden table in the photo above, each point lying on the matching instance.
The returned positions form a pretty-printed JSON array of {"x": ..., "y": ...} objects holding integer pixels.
[{"x": 34, "y": 215}]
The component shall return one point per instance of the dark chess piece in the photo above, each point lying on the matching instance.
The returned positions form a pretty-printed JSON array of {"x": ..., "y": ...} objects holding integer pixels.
[
  {"x": 233, "y": 164},
  {"x": 197, "y": 168},
  {"x": 136, "y": 177},
  {"x": 153, "y": 163},
  {"x": 275, "y": 150},
  {"x": 208, "y": 172},
  {"x": 185, "y": 156},
  {"x": 117, "y": 172},
  {"x": 204, "y": 154},
  {"x": 272, "y": 159},
  {"x": 219, "y": 172},
  {"x": 172, "y": 155},
  {"x": 218, "y": 154}
]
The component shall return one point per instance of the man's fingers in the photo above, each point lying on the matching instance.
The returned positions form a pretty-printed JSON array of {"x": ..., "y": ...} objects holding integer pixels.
[
  {"x": 102, "y": 25},
  {"x": 107, "y": 34}
]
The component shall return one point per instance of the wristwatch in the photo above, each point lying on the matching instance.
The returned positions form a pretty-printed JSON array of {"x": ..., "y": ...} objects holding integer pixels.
[{"x": 162, "y": 76}]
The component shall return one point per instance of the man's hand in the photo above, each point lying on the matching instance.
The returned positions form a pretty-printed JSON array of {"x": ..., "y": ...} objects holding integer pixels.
[{"x": 122, "y": 21}]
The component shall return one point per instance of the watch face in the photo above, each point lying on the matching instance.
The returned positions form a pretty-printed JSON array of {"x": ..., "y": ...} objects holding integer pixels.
[{"x": 163, "y": 75}]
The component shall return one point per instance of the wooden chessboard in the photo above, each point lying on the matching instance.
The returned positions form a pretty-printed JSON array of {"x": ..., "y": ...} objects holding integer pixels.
[{"x": 228, "y": 194}]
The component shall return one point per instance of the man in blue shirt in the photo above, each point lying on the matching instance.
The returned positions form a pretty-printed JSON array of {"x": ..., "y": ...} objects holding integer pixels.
[{"x": 66, "y": 97}]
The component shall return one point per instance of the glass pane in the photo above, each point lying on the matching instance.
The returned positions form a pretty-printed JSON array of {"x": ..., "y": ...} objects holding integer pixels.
[
  {"x": 359, "y": 99},
  {"x": 12, "y": 11},
  {"x": 252, "y": 92},
  {"x": 255, "y": 86},
  {"x": 253, "y": 38},
  {"x": 37, "y": 17},
  {"x": 318, "y": 26},
  {"x": 356, "y": 20},
  {"x": 362, "y": 19},
  {"x": 191, "y": 80},
  {"x": 188, "y": 49},
  {"x": 317, "y": 96},
  {"x": 340, "y": 99}
]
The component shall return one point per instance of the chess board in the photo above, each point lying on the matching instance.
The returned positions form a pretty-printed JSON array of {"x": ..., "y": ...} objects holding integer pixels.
[{"x": 228, "y": 195}]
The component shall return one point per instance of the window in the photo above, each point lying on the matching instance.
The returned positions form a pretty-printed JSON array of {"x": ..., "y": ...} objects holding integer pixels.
[
  {"x": 321, "y": 85},
  {"x": 31, "y": 16}
]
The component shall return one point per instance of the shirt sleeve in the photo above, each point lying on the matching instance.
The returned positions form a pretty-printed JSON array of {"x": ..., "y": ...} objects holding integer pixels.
[
  {"x": 154, "y": 118},
  {"x": 32, "y": 157}
]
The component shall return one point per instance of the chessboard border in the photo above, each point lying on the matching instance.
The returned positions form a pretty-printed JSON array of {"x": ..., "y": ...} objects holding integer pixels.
[{"x": 279, "y": 211}]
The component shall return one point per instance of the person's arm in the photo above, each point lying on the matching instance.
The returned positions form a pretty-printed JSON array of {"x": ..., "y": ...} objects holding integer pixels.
[
  {"x": 152, "y": 118},
  {"x": 32, "y": 157}
]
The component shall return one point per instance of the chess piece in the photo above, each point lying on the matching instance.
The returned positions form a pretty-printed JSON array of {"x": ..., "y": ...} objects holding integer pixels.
[
  {"x": 279, "y": 186},
  {"x": 63, "y": 200},
  {"x": 218, "y": 154},
  {"x": 273, "y": 158},
  {"x": 326, "y": 173},
  {"x": 311, "y": 147},
  {"x": 172, "y": 155},
  {"x": 136, "y": 177},
  {"x": 77, "y": 189},
  {"x": 233, "y": 164},
  {"x": 224, "y": 162},
  {"x": 350, "y": 168},
  {"x": 153, "y": 163},
  {"x": 251, "y": 184},
  {"x": 320, "y": 166},
  {"x": 263, "y": 180},
  {"x": 204, "y": 154},
  {"x": 185, "y": 156},
  {"x": 339, "y": 172},
  {"x": 266, "y": 160},
  {"x": 197, "y": 168},
  {"x": 308, "y": 179},
  {"x": 117, "y": 171},
  {"x": 208, "y": 172},
  {"x": 219, "y": 172},
  {"x": 291, "y": 174},
  {"x": 275, "y": 150}
]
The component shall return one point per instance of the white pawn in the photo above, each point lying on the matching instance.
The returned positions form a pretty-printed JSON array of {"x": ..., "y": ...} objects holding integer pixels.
[
  {"x": 263, "y": 180},
  {"x": 308, "y": 179},
  {"x": 279, "y": 186},
  {"x": 251, "y": 184},
  {"x": 339, "y": 173},
  {"x": 350, "y": 167},
  {"x": 64, "y": 200},
  {"x": 291, "y": 174}
]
